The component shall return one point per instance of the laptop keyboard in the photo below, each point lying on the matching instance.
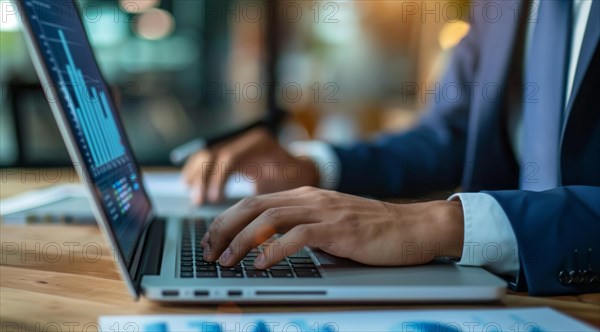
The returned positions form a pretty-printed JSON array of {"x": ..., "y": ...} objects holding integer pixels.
[{"x": 193, "y": 265}]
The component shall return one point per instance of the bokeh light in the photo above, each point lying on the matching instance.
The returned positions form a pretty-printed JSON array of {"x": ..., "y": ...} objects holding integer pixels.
[
  {"x": 10, "y": 18},
  {"x": 138, "y": 6},
  {"x": 452, "y": 33},
  {"x": 154, "y": 24}
]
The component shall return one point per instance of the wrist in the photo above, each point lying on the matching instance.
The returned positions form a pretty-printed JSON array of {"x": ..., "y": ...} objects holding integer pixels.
[
  {"x": 310, "y": 172},
  {"x": 449, "y": 223}
]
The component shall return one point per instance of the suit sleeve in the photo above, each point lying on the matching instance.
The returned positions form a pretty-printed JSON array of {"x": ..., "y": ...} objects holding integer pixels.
[
  {"x": 430, "y": 156},
  {"x": 557, "y": 232}
]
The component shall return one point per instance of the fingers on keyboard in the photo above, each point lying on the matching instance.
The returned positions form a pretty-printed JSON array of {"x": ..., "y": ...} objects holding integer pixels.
[{"x": 193, "y": 265}]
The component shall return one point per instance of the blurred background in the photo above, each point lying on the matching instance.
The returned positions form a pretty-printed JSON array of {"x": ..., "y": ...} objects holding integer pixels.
[{"x": 182, "y": 69}]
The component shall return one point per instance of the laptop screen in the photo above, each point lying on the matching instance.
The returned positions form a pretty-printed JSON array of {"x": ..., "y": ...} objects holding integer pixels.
[{"x": 91, "y": 116}]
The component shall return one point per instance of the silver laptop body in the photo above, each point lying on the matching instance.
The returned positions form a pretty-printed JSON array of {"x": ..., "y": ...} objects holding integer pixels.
[{"x": 158, "y": 256}]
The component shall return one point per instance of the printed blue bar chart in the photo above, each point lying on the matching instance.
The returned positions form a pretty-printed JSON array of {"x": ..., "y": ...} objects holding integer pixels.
[{"x": 93, "y": 113}]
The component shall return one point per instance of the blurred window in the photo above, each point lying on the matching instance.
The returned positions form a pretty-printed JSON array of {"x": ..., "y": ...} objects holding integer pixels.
[{"x": 179, "y": 70}]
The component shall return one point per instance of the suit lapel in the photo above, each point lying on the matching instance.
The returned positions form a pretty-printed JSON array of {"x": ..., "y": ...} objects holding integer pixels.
[{"x": 588, "y": 48}]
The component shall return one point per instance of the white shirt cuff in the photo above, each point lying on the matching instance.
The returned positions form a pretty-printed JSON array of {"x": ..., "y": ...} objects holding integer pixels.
[
  {"x": 325, "y": 159},
  {"x": 489, "y": 240}
]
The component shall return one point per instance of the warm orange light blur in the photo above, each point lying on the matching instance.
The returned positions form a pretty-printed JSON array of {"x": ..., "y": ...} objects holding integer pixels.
[{"x": 452, "y": 33}]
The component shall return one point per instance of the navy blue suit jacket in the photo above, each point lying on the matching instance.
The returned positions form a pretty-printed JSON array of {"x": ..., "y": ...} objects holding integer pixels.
[{"x": 464, "y": 142}]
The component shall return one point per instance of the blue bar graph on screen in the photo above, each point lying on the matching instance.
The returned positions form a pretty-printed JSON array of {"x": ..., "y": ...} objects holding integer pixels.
[{"x": 93, "y": 113}]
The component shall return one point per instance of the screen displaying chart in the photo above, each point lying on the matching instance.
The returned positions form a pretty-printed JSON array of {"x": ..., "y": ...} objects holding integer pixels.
[{"x": 91, "y": 115}]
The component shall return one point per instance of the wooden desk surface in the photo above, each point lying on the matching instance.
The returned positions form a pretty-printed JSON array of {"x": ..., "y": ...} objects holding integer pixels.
[{"x": 66, "y": 275}]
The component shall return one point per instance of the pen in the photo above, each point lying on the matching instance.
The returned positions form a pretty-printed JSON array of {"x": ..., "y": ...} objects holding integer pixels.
[{"x": 180, "y": 154}]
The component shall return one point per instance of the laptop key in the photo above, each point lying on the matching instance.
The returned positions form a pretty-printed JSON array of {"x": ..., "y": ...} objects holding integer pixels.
[
  {"x": 282, "y": 268},
  {"x": 206, "y": 268},
  {"x": 207, "y": 274},
  {"x": 231, "y": 274},
  {"x": 203, "y": 263},
  {"x": 187, "y": 269},
  {"x": 307, "y": 270},
  {"x": 257, "y": 274},
  {"x": 301, "y": 266},
  {"x": 281, "y": 274},
  {"x": 187, "y": 274},
  {"x": 301, "y": 260},
  {"x": 307, "y": 274}
]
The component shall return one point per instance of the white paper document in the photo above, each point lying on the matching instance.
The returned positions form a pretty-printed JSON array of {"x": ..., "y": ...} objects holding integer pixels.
[
  {"x": 36, "y": 198},
  {"x": 514, "y": 320},
  {"x": 171, "y": 184},
  {"x": 158, "y": 185}
]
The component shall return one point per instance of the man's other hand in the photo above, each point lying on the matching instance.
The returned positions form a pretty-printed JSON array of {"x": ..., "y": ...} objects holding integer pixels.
[
  {"x": 256, "y": 156},
  {"x": 367, "y": 231}
]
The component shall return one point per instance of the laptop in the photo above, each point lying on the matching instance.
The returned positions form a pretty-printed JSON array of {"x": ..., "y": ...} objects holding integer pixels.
[{"x": 159, "y": 257}]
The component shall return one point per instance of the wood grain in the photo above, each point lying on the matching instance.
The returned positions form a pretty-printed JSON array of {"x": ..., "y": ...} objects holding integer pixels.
[{"x": 38, "y": 290}]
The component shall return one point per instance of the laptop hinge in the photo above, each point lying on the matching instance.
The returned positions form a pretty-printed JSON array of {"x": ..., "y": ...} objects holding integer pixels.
[{"x": 151, "y": 255}]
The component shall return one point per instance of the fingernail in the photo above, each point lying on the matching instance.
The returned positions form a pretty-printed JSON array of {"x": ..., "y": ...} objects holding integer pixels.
[
  {"x": 207, "y": 252},
  {"x": 213, "y": 195},
  {"x": 259, "y": 261},
  {"x": 226, "y": 257},
  {"x": 196, "y": 195}
]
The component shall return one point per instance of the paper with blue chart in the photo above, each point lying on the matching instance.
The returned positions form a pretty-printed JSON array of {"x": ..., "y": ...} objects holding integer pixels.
[{"x": 514, "y": 320}]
